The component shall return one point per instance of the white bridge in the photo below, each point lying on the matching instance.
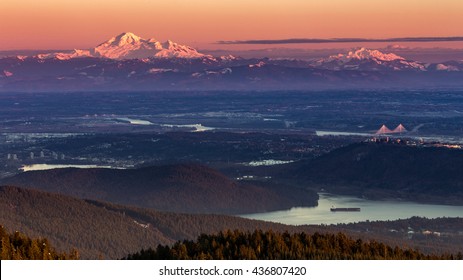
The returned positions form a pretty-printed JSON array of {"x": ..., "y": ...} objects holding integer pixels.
[{"x": 385, "y": 130}]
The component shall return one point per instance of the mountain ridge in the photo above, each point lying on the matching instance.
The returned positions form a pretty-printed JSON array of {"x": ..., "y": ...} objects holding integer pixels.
[
  {"x": 128, "y": 62},
  {"x": 189, "y": 188},
  {"x": 380, "y": 171},
  {"x": 368, "y": 59}
]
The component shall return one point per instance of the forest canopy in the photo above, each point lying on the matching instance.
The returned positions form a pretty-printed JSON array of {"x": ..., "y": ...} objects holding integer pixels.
[
  {"x": 17, "y": 246},
  {"x": 269, "y": 245}
]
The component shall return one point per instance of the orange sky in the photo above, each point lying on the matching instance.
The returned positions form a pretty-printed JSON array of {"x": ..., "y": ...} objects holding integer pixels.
[{"x": 67, "y": 24}]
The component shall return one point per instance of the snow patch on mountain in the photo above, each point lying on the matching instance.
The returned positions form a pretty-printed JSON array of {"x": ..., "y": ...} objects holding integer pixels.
[
  {"x": 449, "y": 68},
  {"x": 7, "y": 73},
  {"x": 413, "y": 65},
  {"x": 228, "y": 57},
  {"x": 224, "y": 71},
  {"x": 257, "y": 65},
  {"x": 397, "y": 47},
  {"x": 161, "y": 70}
]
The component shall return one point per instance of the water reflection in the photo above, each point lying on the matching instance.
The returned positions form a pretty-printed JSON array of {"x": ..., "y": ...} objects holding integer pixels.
[
  {"x": 44, "y": 166},
  {"x": 370, "y": 210}
]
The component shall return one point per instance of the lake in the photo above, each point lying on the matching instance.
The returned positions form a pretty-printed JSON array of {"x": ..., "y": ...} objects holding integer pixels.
[
  {"x": 370, "y": 210},
  {"x": 44, "y": 166}
]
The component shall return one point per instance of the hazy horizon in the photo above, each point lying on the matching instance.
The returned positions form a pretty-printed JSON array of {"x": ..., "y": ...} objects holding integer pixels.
[{"x": 52, "y": 24}]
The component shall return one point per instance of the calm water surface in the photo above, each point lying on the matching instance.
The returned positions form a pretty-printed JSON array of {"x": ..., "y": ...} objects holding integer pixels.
[
  {"x": 370, "y": 210},
  {"x": 44, "y": 166}
]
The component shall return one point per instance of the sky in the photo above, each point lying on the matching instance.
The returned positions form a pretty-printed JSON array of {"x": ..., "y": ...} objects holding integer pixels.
[{"x": 58, "y": 24}]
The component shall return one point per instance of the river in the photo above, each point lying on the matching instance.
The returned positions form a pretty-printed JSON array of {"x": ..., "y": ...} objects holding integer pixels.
[{"x": 370, "y": 210}]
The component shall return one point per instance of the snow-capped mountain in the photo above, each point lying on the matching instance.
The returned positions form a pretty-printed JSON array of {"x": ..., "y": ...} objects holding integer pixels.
[
  {"x": 130, "y": 46},
  {"x": 364, "y": 54},
  {"x": 66, "y": 55},
  {"x": 368, "y": 60}
]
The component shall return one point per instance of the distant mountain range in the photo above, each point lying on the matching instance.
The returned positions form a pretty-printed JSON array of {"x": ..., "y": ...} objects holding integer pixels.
[{"x": 129, "y": 62}]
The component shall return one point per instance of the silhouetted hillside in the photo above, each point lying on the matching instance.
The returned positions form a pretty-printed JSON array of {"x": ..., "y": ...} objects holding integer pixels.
[
  {"x": 187, "y": 188},
  {"x": 382, "y": 171}
]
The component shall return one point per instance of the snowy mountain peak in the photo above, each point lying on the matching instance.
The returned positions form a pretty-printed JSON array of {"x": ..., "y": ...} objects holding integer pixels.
[
  {"x": 130, "y": 46},
  {"x": 365, "y": 54},
  {"x": 124, "y": 39},
  {"x": 169, "y": 44},
  {"x": 127, "y": 46},
  {"x": 367, "y": 60}
]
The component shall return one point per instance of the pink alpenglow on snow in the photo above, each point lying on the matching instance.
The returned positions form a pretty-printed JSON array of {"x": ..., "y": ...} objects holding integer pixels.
[
  {"x": 130, "y": 46},
  {"x": 364, "y": 53}
]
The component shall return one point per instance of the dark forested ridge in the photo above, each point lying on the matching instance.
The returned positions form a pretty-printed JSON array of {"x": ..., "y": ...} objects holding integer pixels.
[
  {"x": 17, "y": 246},
  {"x": 189, "y": 188},
  {"x": 259, "y": 245},
  {"x": 100, "y": 229},
  {"x": 72, "y": 223},
  {"x": 385, "y": 171},
  {"x": 104, "y": 230}
]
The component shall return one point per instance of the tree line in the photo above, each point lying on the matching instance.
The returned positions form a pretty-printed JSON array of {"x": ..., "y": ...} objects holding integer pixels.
[
  {"x": 269, "y": 245},
  {"x": 17, "y": 246}
]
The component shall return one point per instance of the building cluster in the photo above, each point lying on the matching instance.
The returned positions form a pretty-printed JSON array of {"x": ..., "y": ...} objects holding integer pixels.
[{"x": 32, "y": 156}]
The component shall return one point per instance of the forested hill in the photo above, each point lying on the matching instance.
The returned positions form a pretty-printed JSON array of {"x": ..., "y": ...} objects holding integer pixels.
[
  {"x": 72, "y": 223},
  {"x": 384, "y": 171},
  {"x": 189, "y": 188},
  {"x": 109, "y": 231},
  {"x": 99, "y": 229}
]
